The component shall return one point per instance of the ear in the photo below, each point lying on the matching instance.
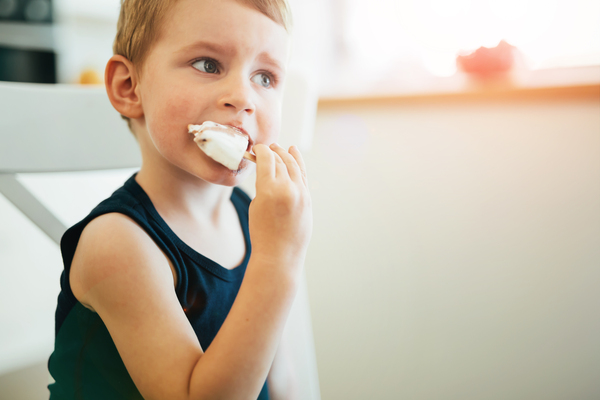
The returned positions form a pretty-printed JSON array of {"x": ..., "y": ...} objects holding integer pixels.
[{"x": 122, "y": 87}]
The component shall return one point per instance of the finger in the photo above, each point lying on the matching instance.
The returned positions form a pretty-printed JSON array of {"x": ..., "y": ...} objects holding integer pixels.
[
  {"x": 265, "y": 162},
  {"x": 290, "y": 162},
  {"x": 280, "y": 167},
  {"x": 300, "y": 161}
]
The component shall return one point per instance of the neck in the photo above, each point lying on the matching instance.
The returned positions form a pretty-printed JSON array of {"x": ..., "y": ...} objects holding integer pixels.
[{"x": 178, "y": 194}]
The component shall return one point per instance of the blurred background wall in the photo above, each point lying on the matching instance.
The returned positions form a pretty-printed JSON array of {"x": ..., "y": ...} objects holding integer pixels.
[
  {"x": 457, "y": 220},
  {"x": 456, "y": 250}
]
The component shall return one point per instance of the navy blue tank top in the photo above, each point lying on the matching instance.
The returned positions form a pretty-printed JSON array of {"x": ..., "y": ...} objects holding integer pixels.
[{"x": 85, "y": 363}]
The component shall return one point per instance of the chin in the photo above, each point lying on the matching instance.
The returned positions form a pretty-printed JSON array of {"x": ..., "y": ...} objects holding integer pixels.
[
  {"x": 221, "y": 175},
  {"x": 205, "y": 168}
]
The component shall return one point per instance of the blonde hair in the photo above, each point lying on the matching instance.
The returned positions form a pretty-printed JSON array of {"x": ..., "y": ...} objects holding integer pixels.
[{"x": 139, "y": 23}]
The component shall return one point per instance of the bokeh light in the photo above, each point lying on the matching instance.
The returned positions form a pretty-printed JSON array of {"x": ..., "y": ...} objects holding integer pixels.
[{"x": 387, "y": 32}]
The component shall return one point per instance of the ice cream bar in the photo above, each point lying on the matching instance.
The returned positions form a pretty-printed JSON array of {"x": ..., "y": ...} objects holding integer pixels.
[{"x": 224, "y": 144}]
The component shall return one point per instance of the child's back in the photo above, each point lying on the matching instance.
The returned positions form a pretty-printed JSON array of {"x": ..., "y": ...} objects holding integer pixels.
[{"x": 164, "y": 268}]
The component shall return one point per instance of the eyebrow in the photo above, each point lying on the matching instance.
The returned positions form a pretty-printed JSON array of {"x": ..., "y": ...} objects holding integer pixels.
[
  {"x": 201, "y": 44},
  {"x": 263, "y": 57},
  {"x": 267, "y": 59}
]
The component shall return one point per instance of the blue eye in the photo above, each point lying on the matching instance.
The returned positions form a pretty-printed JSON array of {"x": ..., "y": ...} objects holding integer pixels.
[
  {"x": 263, "y": 80},
  {"x": 208, "y": 66}
]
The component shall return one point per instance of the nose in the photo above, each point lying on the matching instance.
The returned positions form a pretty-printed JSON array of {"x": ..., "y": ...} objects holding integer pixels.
[{"x": 237, "y": 95}]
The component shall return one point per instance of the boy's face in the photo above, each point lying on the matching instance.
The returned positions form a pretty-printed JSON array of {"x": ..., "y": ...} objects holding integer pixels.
[{"x": 218, "y": 61}]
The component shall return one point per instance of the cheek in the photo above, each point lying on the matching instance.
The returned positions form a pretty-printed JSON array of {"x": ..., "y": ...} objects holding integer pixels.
[
  {"x": 269, "y": 130},
  {"x": 168, "y": 116},
  {"x": 169, "y": 107},
  {"x": 270, "y": 124}
]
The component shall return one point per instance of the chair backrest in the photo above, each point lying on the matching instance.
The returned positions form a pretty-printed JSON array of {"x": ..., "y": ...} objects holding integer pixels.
[
  {"x": 55, "y": 128},
  {"x": 62, "y": 128}
]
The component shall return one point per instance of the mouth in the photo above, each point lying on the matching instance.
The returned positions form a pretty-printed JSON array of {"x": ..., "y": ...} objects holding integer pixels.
[
  {"x": 223, "y": 143},
  {"x": 229, "y": 127}
]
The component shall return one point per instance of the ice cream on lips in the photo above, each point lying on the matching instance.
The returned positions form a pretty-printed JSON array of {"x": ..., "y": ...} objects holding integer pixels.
[{"x": 225, "y": 144}]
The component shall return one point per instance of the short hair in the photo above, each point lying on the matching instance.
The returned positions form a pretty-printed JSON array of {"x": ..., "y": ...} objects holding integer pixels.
[{"x": 139, "y": 23}]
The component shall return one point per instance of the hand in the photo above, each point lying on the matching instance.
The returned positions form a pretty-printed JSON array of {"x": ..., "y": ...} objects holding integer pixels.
[{"x": 280, "y": 214}]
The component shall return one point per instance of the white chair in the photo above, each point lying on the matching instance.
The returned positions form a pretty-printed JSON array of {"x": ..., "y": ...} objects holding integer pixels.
[{"x": 65, "y": 128}]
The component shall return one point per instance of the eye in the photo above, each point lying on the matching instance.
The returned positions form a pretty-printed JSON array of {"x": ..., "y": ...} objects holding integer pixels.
[
  {"x": 263, "y": 80},
  {"x": 207, "y": 65}
]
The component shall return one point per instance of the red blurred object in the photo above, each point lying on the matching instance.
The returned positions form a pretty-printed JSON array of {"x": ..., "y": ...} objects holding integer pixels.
[{"x": 488, "y": 61}]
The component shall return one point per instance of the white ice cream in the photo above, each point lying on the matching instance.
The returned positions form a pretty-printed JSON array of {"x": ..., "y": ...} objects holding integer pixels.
[{"x": 224, "y": 144}]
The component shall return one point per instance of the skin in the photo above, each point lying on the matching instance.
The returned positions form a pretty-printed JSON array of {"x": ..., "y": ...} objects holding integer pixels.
[{"x": 120, "y": 273}]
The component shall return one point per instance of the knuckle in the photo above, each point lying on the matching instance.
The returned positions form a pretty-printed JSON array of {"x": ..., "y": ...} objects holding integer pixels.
[
  {"x": 287, "y": 198},
  {"x": 258, "y": 147}
]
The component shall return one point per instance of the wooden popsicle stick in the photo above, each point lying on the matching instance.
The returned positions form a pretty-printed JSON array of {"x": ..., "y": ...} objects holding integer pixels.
[{"x": 250, "y": 156}]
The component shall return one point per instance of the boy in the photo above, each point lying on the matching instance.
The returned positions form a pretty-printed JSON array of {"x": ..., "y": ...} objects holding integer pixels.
[{"x": 163, "y": 268}]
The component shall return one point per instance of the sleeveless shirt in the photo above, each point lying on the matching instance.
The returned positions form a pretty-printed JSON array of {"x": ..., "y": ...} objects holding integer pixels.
[{"x": 85, "y": 363}]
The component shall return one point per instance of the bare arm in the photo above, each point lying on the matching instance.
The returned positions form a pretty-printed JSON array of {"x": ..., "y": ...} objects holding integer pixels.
[
  {"x": 282, "y": 379},
  {"x": 120, "y": 273}
]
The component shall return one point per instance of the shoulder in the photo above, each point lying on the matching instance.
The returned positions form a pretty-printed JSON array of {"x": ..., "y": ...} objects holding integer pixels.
[
  {"x": 122, "y": 275},
  {"x": 114, "y": 249}
]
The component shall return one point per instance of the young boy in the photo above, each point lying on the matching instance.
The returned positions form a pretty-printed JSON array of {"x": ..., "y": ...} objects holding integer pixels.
[{"x": 177, "y": 287}]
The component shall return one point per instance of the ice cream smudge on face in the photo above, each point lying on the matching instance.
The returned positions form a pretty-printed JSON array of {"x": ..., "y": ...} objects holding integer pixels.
[{"x": 224, "y": 144}]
